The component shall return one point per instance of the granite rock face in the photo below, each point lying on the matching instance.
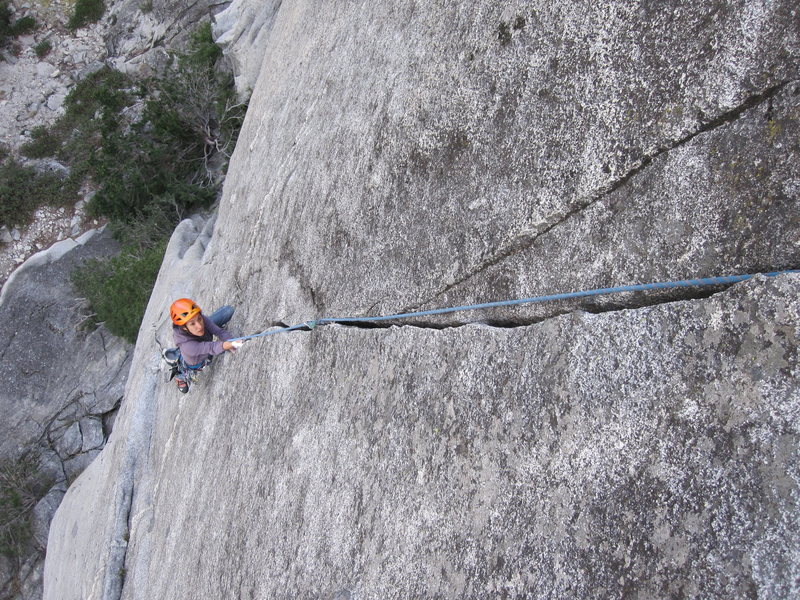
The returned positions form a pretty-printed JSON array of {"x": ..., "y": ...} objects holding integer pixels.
[
  {"x": 139, "y": 40},
  {"x": 111, "y": 478},
  {"x": 399, "y": 155},
  {"x": 55, "y": 371},
  {"x": 649, "y": 451},
  {"x": 466, "y": 139},
  {"x": 60, "y": 380},
  {"x": 243, "y": 30}
]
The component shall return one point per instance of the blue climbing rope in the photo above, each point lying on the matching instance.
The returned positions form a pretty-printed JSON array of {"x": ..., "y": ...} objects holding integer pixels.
[{"x": 663, "y": 285}]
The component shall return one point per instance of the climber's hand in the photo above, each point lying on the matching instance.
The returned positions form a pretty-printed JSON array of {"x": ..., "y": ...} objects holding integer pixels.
[{"x": 233, "y": 346}]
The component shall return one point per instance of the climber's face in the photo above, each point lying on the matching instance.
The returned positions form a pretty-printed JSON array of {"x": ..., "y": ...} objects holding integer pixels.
[{"x": 196, "y": 326}]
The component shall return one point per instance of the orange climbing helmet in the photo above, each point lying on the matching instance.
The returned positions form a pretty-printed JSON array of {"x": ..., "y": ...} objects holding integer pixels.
[{"x": 183, "y": 310}]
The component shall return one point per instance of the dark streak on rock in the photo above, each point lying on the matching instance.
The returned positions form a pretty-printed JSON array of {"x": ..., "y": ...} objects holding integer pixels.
[
  {"x": 525, "y": 241},
  {"x": 633, "y": 300}
]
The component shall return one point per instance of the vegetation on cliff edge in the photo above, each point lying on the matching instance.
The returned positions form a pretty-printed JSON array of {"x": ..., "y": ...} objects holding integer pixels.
[
  {"x": 86, "y": 12},
  {"x": 155, "y": 150},
  {"x": 21, "y": 488},
  {"x": 11, "y": 28}
]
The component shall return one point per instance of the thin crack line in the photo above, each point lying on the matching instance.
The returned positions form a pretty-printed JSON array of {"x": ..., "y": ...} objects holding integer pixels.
[
  {"x": 7, "y": 345},
  {"x": 525, "y": 241}
]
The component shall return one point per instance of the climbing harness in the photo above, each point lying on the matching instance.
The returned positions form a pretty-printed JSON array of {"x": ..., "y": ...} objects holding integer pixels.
[
  {"x": 663, "y": 285},
  {"x": 178, "y": 366}
]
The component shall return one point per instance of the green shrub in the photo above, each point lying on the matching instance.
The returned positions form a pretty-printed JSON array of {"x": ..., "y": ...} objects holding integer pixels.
[
  {"x": 10, "y": 29},
  {"x": 43, "y": 48},
  {"x": 191, "y": 119},
  {"x": 43, "y": 143},
  {"x": 15, "y": 183},
  {"x": 189, "y": 126},
  {"x": 132, "y": 171},
  {"x": 150, "y": 227},
  {"x": 5, "y": 22},
  {"x": 21, "y": 487},
  {"x": 23, "y": 26},
  {"x": 92, "y": 105},
  {"x": 119, "y": 288},
  {"x": 149, "y": 173},
  {"x": 86, "y": 12},
  {"x": 106, "y": 91},
  {"x": 202, "y": 52},
  {"x": 23, "y": 190},
  {"x": 92, "y": 108},
  {"x": 196, "y": 108}
]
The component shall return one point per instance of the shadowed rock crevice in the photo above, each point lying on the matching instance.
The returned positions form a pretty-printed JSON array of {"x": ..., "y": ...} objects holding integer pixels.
[
  {"x": 619, "y": 301},
  {"x": 524, "y": 242},
  {"x": 114, "y": 580}
]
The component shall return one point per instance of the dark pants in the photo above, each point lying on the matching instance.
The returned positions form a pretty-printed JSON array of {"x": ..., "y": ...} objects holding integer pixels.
[{"x": 222, "y": 315}]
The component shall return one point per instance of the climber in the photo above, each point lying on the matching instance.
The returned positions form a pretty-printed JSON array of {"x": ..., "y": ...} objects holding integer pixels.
[{"x": 194, "y": 333}]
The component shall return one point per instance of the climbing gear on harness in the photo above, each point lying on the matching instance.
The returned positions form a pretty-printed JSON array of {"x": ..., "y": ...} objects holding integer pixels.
[
  {"x": 722, "y": 280},
  {"x": 171, "y": 356},
  {"x": 178, "y": 368},
  {"x": 183, "y": 310}
]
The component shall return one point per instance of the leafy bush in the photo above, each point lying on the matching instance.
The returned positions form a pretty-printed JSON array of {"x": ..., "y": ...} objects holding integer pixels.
[
  {"x": 43, "y": 143},
  {"x": 119, "y": 288},
  {"x": 5, "y": 22},
  {"x": 189, "y": 127},
  {"x": 23, "y": 190},
  {"x": 92, "y": 105},
  {"x": 202, "y": 51},
  {"x": 86, "y": 12},
  {"x": 190, "y": 124},
  {"x": 151, "y": 227},
  {"x": 148, "y": 171},
  {"x": 43, "y": 48},
  {"x": 106, "y": 90},
  {"x": 10, "y": 29},
  {"x": 133, "y": 172},
  {"x": 127, "y": 280},
  {"x": 21, "y": 487},
  {"x": 23, "y": 26}
]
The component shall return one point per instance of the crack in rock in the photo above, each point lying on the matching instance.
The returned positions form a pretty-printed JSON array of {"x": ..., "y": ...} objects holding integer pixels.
[
  {"x": 115, "y": 572},
  {"x": 525, "y": 241},
  {"x": 635, "y": 300},
  {"x": 7, "y": 345},
  {"x": 136, "y": 444}
]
